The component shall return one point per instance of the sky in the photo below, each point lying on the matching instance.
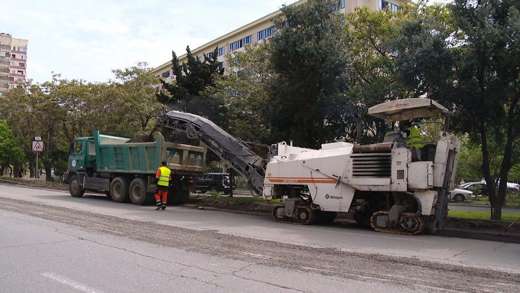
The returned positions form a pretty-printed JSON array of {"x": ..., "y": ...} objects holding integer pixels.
[{"x": 88, "y": 39}]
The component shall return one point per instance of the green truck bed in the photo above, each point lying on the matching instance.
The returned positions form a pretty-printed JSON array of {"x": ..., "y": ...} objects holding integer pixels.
[{"x": 117, "y": 155}]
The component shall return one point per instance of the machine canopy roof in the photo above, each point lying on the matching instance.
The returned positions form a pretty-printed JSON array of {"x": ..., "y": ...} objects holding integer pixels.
[{"x": 407, "y": 109}]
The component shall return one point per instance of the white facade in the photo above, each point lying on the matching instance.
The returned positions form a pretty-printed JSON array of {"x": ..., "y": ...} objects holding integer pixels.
[{"x": 13, "y": 62}]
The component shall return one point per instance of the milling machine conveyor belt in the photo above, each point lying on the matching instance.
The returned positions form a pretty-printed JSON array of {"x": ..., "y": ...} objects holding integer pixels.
[{"x": 225, "y": 146}]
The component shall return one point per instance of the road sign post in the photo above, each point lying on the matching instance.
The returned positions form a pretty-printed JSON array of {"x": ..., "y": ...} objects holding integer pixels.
[{"x": 37, "y": 147}]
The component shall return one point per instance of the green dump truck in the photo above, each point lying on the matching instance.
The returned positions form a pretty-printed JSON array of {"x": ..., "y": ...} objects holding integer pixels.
[{"x": 125, "y": 171}]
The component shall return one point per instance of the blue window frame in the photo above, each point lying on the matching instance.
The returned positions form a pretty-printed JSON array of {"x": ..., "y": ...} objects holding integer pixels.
[
  {"x": 265, "y": 33},
  {"x": 389, "y": 5},
  {"x": 236, "y": 45},
  {"x": 240, "y": 43},
  {"x": 221, "y": 51},
  {"x": 247, "y": 40}
]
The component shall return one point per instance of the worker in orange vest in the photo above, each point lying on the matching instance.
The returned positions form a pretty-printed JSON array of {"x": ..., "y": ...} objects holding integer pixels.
[{"x": 164, "y": 177}]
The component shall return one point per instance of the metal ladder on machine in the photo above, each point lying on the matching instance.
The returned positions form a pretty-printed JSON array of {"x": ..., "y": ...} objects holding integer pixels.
[{"x": 244, "y": 161}]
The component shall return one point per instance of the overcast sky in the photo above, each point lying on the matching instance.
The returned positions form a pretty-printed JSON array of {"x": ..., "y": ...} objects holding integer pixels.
[{"x": 87, "y": 39}]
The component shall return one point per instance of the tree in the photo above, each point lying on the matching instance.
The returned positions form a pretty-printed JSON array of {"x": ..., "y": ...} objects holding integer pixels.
[
  {"x": 60, "y": 110},
  {"x": 373, "y": 74},
  {"x": 245, "y": 93},
  {"x": 190, "y": 81},
  {"x": 137, "y": 84},
  {"x": 471, "y": 61},
  {"x": 11, "y": 154},
  {"x": 309, "y": 103}
]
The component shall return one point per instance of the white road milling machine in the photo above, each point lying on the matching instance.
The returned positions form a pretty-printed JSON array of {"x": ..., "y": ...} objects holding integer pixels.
[{"x": 387, "y": 186}]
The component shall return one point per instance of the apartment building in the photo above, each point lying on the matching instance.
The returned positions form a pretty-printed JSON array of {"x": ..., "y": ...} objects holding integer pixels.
[
  {"x": 261, "y": 30},
  {"x": 13, "y": 62}
]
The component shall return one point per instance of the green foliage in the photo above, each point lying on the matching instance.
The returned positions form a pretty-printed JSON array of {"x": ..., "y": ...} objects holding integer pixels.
[
  {"x": 60, "y": 110},
  {"x": 245, "y": 93},
  {"x": 309, "y": 104},
  {"x": 11, "y": 154},
  {"x": 373, "y": 75},
  {"x": 191, "y": 80},
  {"x": 470, "y": 58}
]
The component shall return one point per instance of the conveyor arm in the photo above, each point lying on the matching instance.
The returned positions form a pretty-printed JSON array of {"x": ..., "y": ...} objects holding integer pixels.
[{"x": 226, "y": 147}]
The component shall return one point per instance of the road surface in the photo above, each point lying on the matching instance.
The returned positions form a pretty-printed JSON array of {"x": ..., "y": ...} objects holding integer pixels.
[{"x": 50, "y": 242}]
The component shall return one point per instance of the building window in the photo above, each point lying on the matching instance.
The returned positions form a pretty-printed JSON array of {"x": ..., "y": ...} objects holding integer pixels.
[
  {"x": 221, "y": 51},
  {"x": 236, "y": 45},
  {"x": 13, "y": 56},
  {"x": 20, "y": 72},
  {"x": 341, "y": 4},
  {"x": 240, "y": 43},
  {"x": 21, "y": 64},
  {"x": 247, "y": 40},
  {"x": 390, "y": 6},
  {"x": 266, "y": 33}
]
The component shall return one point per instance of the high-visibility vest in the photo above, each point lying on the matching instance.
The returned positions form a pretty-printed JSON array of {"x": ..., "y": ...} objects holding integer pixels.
[
  {"x": 416, "y": 139},
  {"x": 164, "y": 179}
]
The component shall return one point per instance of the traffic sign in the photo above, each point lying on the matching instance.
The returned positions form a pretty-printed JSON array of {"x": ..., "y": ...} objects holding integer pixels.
[
  {"x": 38, "y": 138},
  {"x": 37, "y": 146}
]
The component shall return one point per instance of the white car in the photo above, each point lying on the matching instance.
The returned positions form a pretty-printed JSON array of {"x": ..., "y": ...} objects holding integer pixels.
[
  {"x": 480, "y": 187},
  {"x": 460, "y": 195}
]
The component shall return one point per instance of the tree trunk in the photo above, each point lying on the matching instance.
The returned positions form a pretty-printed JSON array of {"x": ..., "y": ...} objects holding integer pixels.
[
  {"x": 486, "y": 171},
  {"x": 48, "y": 172},
  {"x": 18, "y": 171},
  {"x": 496, "y": 213},
  {"x": 507, "y": 162}
]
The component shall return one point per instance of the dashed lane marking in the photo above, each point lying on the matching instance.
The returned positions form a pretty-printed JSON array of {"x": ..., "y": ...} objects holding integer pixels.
[{"x": 69, "y": 282}]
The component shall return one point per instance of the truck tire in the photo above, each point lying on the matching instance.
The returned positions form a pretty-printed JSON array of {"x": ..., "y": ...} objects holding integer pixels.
[
  {"x": 306, "y": 215},
  {"x": 119, "y": 189},
  {"x": 137, "y": 191},
  {"x": 75, "y": 188}
]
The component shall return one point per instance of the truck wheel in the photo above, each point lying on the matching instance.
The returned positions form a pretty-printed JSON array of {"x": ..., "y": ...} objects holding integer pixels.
[
  {"x": 279, "y": 213},
  {"x": 306, "y": 215},
  {"x": 119, "y": 189},
  {"x": 137, "y": 191},
  {"x": 75, "y": 188}
]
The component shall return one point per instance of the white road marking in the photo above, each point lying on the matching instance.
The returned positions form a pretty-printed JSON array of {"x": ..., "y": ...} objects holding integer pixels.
[{"x": 71, "y": 283}]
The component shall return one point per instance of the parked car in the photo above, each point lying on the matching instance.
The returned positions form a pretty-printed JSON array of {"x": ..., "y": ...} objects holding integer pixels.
[
  {"x": 460, "y": 195},
  {"x": 220, "y": 182},
  {"x": 480, "y": 187}
]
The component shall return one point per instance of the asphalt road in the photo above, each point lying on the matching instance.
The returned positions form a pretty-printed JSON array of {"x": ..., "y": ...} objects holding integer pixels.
[{"x": 50, "y": 242}]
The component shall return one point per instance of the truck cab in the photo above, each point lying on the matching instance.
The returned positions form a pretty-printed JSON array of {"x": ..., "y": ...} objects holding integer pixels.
[{"x": 82, "y": 155}]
